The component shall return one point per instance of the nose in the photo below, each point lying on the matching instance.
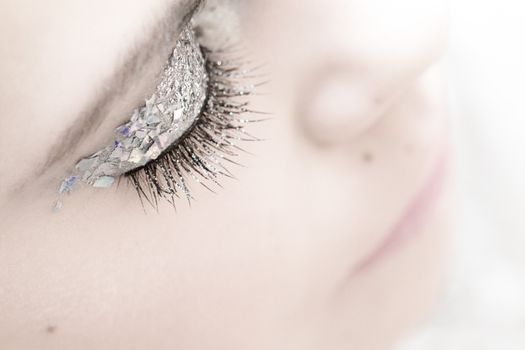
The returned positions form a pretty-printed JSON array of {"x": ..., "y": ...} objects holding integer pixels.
[{"x": 336, "y": 106}]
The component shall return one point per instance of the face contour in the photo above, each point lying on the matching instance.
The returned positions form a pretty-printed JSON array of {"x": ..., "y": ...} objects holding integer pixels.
[{"x": 330, "y": 237}]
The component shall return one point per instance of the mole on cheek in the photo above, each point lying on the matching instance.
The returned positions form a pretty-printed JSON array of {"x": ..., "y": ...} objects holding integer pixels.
[
  {"x": 367, "y": 157},
  {"x": 51, "y": 329}
]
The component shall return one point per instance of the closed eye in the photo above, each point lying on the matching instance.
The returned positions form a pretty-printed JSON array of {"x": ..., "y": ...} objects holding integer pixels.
[
  {"x": 158, "y": 43},
  {"x": 187, "y": 130}
]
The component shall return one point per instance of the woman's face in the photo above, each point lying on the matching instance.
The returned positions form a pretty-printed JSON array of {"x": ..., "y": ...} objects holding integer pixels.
[{"x": 331, "y": 235}]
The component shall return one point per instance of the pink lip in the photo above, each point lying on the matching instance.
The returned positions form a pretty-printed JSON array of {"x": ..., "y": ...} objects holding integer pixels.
[{"x": 410, "y": 223}]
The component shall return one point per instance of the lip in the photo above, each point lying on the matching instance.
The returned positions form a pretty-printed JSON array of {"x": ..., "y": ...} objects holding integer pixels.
[{"x": 411, "y": 222}]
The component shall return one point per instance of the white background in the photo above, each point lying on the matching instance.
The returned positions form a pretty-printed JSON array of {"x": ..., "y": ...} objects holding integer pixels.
[{"x": 485, "y": 304}]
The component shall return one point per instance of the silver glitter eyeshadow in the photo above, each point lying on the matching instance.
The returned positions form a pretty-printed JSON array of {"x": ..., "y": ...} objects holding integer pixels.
[{"x": 153, "y": 127}]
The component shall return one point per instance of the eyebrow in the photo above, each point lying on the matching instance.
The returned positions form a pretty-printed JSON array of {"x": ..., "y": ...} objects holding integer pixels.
[{"x": 159, "y": 39}]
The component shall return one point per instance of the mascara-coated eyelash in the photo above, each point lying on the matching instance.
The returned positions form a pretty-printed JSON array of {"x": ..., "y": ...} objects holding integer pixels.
[{"x": 186, "y": 130}]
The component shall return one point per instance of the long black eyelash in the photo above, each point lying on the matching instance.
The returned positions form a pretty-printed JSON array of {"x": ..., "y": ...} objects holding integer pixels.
[{"x": 202, "y": 153}]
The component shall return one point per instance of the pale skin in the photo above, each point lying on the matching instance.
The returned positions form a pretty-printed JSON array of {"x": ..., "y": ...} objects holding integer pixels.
[{"x": 284, "y": 257}]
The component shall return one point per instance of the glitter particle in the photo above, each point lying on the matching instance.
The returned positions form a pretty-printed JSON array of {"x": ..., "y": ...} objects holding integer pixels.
[
  {"x": 165, "y": 117},
  {"x": 58, "y": 205},
  {"x": 67, "y": 185},
  {"x": 104, "y": 182}
]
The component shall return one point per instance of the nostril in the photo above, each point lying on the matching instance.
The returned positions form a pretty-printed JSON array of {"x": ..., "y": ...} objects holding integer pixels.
[{"x": 337, "y": 106}]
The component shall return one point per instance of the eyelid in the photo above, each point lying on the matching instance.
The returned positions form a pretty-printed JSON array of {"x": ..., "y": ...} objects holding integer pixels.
[
  {"x": 145, "y": 53},
  {"x": 153, "y": 127},
  {"x": 197, "y": 146}
]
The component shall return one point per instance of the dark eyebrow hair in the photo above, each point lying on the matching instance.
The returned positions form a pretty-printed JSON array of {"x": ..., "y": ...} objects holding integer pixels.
[{"x": 161, "y": 38}]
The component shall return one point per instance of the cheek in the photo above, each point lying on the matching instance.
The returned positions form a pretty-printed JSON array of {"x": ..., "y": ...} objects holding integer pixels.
[{"x": 260, "y": 263}]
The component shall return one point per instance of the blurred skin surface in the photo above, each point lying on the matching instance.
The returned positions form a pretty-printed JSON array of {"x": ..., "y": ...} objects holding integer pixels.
[{"x": 329, "y": 239}]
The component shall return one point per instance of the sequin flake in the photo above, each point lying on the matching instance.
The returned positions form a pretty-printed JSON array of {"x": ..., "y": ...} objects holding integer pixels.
[{"x": 153, "y": 127}]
